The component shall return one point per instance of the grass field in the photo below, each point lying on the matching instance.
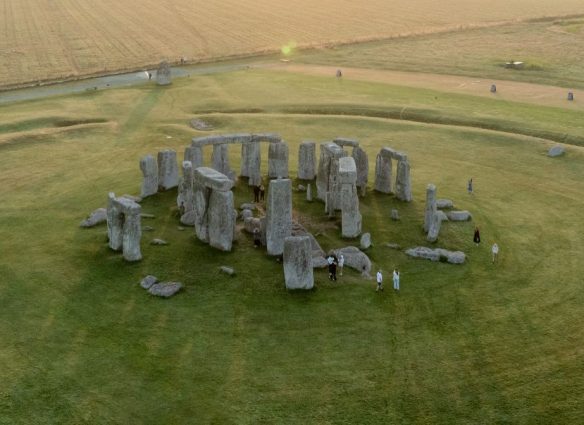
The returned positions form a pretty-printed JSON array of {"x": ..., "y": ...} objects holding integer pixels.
[
  {"x": 55, "y": 39},
  {"x": 551, "y": 49},
  {"x": 478, "y": 343}
]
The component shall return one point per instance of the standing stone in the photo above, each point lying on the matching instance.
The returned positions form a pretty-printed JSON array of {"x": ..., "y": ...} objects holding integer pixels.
[
  {"x": 132, "y": 230},
  {"x": 253, "y": 159},
  {"x": 149, "y": 169},
  {"x": 365, "y": 241},
  {"x": 186, "y": 195},
  {"x": 163, "y": 74},
  {"x": 278, "y": 160},
  {"x": 351, "y": 217},
  {"x": 362, "y": 163},
  {"x": 383, "y": 173},
  {"x": 221, "y": 220},
  {"x": 328, "y": 175},
  {"x": 278, "y": 215},
  {"x": 431, "y": 206},
  {"x": 434, "y": 227},
  {"x": 194, "y": 154},
  {"x": 403, "y": 184},
  {"x": 309, "y": 193},
  {"x": 298, "y": 273},
  {"x": 167, "y": 170},
  {"x": 394, "y": 214},
  {"x": 115, "y": 223},
  {"x": 244, "y": 166},
  {"x": 307, "y": 161},
  {"x": 220, "y": 160},
  {"x": 201, "y": 196}
]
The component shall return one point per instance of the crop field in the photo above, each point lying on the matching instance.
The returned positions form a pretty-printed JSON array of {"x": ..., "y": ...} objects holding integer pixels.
[
  {"x": 479, "y": 343},
  {"x": 44, "y": 40}
]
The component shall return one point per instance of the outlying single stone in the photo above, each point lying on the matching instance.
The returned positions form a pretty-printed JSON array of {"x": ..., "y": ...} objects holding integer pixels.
[
  {"x": 163, "y": 74},
  {"x": 298, "y": 273},
  {"x": 165, "y": 289},
  {"x": 167, "y": 170},
  {"x": 459, "y": 216},
  {"x": 355, "y": 259},
  {"x": 149, "y": 168},
  {"x": 278, "y": 215},
  {"x": 365, "y": 241},
  {"x": 307, "y": 161},
  {"x": 438, "y": 254},
  {"x": 96, "y": 217},
  {"x": 148, "y": 281},
  {"x": 227, "y": 270},
  {"x": 556, "y": 151},
  {"x": 444, "y": 204}
]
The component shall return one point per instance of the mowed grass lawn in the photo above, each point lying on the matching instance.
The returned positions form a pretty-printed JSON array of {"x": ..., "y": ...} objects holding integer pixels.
[{"x": 477, "y": 343}]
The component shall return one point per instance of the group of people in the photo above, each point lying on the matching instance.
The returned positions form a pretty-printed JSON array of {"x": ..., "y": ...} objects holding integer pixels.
[
  {"x": 335, "y": 263},
  {"x": 259, "y": 192},
  {"x": 477, "y": 235},
  {"x": 395, "y": 280}
]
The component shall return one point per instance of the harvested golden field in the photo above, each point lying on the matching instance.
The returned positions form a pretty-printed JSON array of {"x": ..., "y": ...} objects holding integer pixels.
[{"x": 54, "y": 39}]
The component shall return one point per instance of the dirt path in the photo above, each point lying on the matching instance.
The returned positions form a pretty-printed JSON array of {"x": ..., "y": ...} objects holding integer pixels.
[{"x": 512, "y": 91}]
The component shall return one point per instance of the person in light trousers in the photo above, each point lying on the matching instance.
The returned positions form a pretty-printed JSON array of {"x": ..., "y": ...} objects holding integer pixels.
[{"x": 396, "y": 279}]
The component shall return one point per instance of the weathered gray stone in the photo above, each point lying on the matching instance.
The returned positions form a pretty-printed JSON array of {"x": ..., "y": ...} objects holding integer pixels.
[
  {"x": 438, "y": 254},
  {"x": 227, "y": 270},
  {"x": 298, "y": 273},
  {"x": 301, "y": 188},
  {"x": 158, "y": 242},
  {"x": 365, "y": 241},
  {"x": 163, "y": 74},
  {"x": 383, "y": 168},
  {"x": 212, "y": 179},
  {"x": 250, "y": 224},
  {"x": 403, "y": 184},
  {"x": 442, "y": 215},
  {"x": 319, "y": 262},
  {"x": 165, "y": 289},
  {"x": 148, "y": 281},
  {"x": 251, "y": 161},
  {"x": 147, "y": 215},
  {"x": 136, "y": 199},
  {"x": 278, "y": 215},
  {"x": 556, "y": 151},
  {"x": 266, "y": 137},
  {"x": 430, "y": 206},
  {"x": 342, "y": 141},
  {"x": 96, "y": 217},
  {"x": 434, "y": 229},
  {"x": 148, "y": 228},
  {"x": 444, "y": 203},
  {"x": 115, "y": 223},
  {"x": 362, "y": 163},
  {"x": 327, "y": 183},
  {"x": 201, "y": 203},
  {"x": 124, "y": 227},
  {"x": 246, "y": 213},
  {"x": 387, "y": 153},
  {"x": 393, "y": 245},
  {"x": 194, "y": 154},
  {"x": 222, "y": 139},
  {"x": 186, "y": 195},
  {"x": 394, "y": 214},
  {"x": 355, "y": 259},
  {"x": 459, "y": 216},
  {"x": 149, "y": 169},
  {"x": 167, "y": 170},
  {"x": 220, "y": 160},
  {"x": 351, "y": 217},
  {"x": 278, "y": 160},
  {"x": 299, "y": 230},
  {"x": 309, "y": 193},
  {"x": 248, "y": 206},
  {"x": 307, "y": 161},
  {"x": 221, "y": 220},
  {"x": 201, "y": 125}
]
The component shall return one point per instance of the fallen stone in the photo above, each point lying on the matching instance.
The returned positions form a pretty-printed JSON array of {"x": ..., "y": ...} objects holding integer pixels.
[
  {"x": 438, "y": 254},
  {"x": 459, "y": 216},
  {"x": 248, "y": 206},
  {"x": 441, "y": 215},
  {"x": 301, "y": 188},
  {"x": 395, "y": 215},
  {"x": 199, "y": 124},
  {"x": 146, "y": 215},
  {"x": 354, "y": 258},
  {"x": 96, "y": 217},
  {"x": 148, "y": 281},
  {"x": 444, "y": 203},
  {"x": 227, "y": 270},
  {"x": 158, "y": 242},
  {"x": 246, "y": 213},
  {"x": 180, "y": 228},
  {"x": 148, "y": 228},
  {"x": 319, "y": 262},
  {"x": 365, "y": 241},
  {"x": 556, "y": 151},
  {"x": 165, "y": 289},
  {"x": 393, "y": 245},
  {"x": 250, "y": 224}
]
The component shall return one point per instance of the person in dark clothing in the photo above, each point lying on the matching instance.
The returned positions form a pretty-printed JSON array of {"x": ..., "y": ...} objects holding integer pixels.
[
  {"x": 262, "y": 192},
  {"x": 333, "y": 271},
  {"x": 477, "y": 236},
  {"x": 256, "y": 194}
]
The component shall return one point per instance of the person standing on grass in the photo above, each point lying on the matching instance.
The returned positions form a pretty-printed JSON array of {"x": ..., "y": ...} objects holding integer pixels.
[
  {"x": 469, "y": 187},
  {"x": 396, "y": 280},
  {"x": 341, "y": 264},
  {"x": 256, "y": 194},
  {"x": 334, "y": 271},
  {"x": 477, "y": 236},
  {"x": 262, "y": 191},
  {"x": 495, "y": 251},
  {"x": 379, "y": 281}
]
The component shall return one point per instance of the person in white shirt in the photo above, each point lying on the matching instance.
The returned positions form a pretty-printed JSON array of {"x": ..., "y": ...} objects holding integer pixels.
[
  {"x": 379, "y": 281},
  {"x": 495, "y": 251},
  {"x": 341, "y": 264},
  {"x": 396, "y": 280}
]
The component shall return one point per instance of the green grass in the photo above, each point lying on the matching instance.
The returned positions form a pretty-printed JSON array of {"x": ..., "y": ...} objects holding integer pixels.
[
  {"x": 478, "y": 343},
  {"x": 551, "y": 50}
]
